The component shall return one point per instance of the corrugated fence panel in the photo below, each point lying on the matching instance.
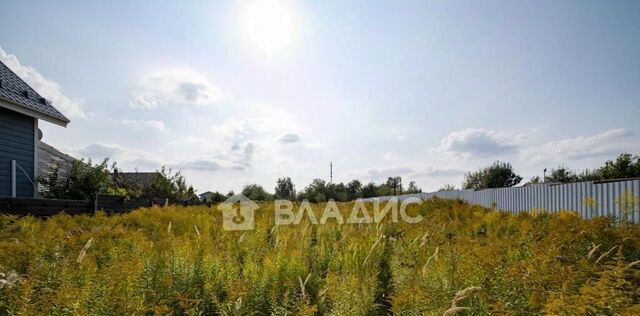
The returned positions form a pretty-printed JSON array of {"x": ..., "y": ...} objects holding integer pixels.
[{"x": 589, "y": 199}]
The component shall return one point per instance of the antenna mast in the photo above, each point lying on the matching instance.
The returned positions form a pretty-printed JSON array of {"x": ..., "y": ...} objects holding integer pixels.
[{"x": 330, "y": 172}]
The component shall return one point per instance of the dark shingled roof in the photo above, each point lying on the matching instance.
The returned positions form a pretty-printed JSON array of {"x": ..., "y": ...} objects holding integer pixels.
[{"x": 18, "y": 92}]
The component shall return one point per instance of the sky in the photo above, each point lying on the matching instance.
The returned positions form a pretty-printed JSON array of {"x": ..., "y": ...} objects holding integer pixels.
[{"x": 238, "y": 92}]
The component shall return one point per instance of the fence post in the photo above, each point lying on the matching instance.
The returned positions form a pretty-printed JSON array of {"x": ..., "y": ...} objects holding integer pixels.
[
  {"x": 95, "y": 202},
  {"x": 13, "y": 178}
]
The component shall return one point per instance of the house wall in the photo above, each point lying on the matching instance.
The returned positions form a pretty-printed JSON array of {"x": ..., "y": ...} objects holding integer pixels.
[{"x": 17, "y": 142}]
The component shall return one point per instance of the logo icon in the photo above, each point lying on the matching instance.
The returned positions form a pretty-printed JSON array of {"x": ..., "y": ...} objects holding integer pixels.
[{"x": 238, "y": 212}]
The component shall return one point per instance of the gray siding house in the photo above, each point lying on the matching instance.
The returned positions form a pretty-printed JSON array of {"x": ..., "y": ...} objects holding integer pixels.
[{"x": 20, "y": 109}]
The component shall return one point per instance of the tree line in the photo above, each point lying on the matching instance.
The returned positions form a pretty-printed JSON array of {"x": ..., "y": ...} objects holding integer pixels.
[
  {"x": 83, "y": 180},
  {"x": 320, "y": 190},
  {"x": 497, "y": 175},
  {"x": 501, "y": 174}
]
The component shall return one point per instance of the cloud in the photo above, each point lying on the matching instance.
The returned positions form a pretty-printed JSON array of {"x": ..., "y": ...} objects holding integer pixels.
[
  {"x": 127, "y": 158},
  {"x": 478, "y": 142},
  {"x": 175, "y": 86},
  {"x": 246, "y": 156},
  {"x": 146, "y": 124},
  {"x": 608, "y": 143},
  {"x": 383, "y": 173},
  {"x": 289, "y": 138},
  {"x": 201, "y": 164},
  {"x": 439, "y": 172},
  {"x": 70, "y": 107},
  {"x": 100, "y": 151}
]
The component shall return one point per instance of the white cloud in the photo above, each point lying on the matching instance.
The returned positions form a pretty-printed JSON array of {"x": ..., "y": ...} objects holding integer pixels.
[
  {"x": 478, "y": 142},
  {"x": 70, "y": 107},
  {"x": 146, "y": 124},
  {"x": 175, "y": 86},
  {"x": 608, "y": 143},
  {"x": 383, "y": 173},
  {"x": 436, "y": 172},
  {"x": 238, "y": 143}
]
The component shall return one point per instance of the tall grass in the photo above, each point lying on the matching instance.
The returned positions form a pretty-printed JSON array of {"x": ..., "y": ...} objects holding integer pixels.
[{"x": 460, "y": 259}]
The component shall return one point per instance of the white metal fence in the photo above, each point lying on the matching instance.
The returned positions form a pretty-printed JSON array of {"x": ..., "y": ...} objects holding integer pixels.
[{"x": 605, "y": 198}]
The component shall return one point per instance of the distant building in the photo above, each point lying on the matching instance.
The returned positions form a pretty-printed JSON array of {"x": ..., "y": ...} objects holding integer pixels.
[
  {"x": 206, "y": 196},
  {"x": 20, "y": 109},
  {"x": 49, "y": 156}
]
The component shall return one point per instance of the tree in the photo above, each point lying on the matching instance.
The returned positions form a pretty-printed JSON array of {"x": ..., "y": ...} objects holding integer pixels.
[
  {"x": 561, "y": 175},
  {"x": 354, "y": 189},
  {"x": 169, "y": 185},
  {"x": 256, "y": 192},
  {"x": 285, "y": 189},
  {"x": 447, "y": 187},
  {"x": 498, "y": 175},
  {"x": 625, "y": 166},
  {"x": 369, "y": 190},
  {"x": 413, "y": 188},
  {"x": 83, "y": 181},
  {"x": 316, "y": 191},
  {"x": 535, "y": 180},
  {"x": 395, "y": 185}
]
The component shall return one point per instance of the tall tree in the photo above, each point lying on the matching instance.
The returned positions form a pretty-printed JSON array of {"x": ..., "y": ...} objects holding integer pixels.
[
  {"x": 285, "y": 189},
  {"x": 354, "y": 189},
  {"x": 413, "y": 188}
]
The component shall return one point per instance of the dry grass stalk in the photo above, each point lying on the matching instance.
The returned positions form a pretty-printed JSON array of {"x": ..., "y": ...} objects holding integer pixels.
[
  {"x": 461, "y": 295},
  {"x": 197, "y": 231},
  {"x": 592, "y": 251},
  {"x": 633, "y": 264},
  {"x": 434, "y": 255},
  {"x": 83, "y": 252},
  {"x": 454, "y": 311},
  {"x": 169, "y": 228},
  {"x": 602, "y": 256}
]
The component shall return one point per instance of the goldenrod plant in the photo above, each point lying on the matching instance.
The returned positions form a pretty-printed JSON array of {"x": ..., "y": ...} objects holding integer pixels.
[{"x": 459, "y": 260}]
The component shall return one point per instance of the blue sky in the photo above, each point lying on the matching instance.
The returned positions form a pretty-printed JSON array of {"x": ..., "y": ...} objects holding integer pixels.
[{"x": 238, "y": 92}]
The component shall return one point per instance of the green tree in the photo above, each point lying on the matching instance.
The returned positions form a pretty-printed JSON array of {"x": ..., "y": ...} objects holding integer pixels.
[
  {"x": 83, "y": 181},
  {"x": 447, "y": 187},
  {"x": 395, "y": 185},
  {"x": 369, "y": 190},
  {"x": 413, "y": 188},
  {"x": 316, "y": 191},
  {"x": 562, "y": 175},
  {"x": 285, "y": 189},
  {"x": 624, "y": 166},
  {"x": 354, "y": 189},
  {"x": 256, "y": 192},
  {"x": 498, "y": 175}
]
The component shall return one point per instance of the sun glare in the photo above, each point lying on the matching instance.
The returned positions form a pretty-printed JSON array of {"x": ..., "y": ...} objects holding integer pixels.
[{"x": 268, "y": 25}]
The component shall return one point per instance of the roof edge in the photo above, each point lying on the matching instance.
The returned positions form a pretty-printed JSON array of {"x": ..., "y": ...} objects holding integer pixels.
[{"x": 13, "y": 106}]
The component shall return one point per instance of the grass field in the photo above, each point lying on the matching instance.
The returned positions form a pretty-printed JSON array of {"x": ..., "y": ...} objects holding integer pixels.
[{"x": 460, "y": 259}]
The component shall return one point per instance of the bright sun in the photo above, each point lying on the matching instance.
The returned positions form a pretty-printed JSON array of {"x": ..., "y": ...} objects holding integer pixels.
[{"x": 268, "y": 25}]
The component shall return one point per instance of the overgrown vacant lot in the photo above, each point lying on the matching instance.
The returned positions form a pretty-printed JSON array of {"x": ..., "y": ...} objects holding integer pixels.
[{"x": 178, "y": 260}]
